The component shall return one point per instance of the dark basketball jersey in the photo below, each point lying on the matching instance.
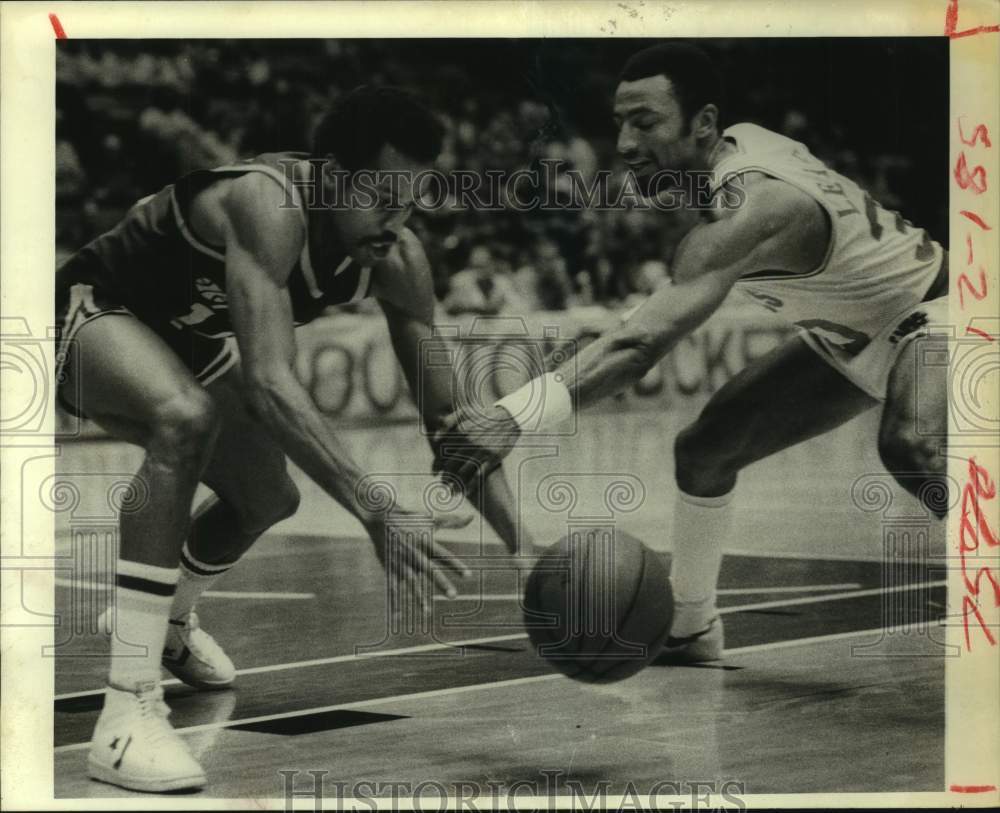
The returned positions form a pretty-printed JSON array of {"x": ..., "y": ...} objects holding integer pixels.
[{"x": 154, "y": 264}]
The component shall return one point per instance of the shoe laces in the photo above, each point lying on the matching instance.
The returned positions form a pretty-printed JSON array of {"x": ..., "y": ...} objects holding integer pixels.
[
  {"x": 191, "y": 622},
  {"x": 153, "y": 712},
  {"x": 195, "y": 638}
]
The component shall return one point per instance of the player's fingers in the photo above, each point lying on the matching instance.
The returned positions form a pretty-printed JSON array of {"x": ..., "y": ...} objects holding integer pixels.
[
  {"x": 451, "y": 467},
  {"x": 456, "y": 470},
  {"x": 443, "y": 583},
  {"x": 418, "y": 590},
  {"x": 440, "y": 459},
  {"x": 440, "y": 553},
  {"x": 438, "y": 437},
  {"x": 407, "y": 581},
  {"x": 394, "y": 595},
  {"x": 470, "y": 474},
  {"x": 464, "y": 470},
  {"x": 491, "y": 463},
  {"x": 452, "y": 519},
  {"x": 435, "y": 574},
  {"x": 451, "y": 481}
]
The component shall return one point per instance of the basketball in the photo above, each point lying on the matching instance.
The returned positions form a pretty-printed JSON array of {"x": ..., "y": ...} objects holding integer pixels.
[{"x": 598, "y": 605}]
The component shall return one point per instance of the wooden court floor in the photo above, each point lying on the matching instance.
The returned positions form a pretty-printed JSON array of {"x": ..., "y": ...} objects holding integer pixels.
[{"x": 832, "y": 682}]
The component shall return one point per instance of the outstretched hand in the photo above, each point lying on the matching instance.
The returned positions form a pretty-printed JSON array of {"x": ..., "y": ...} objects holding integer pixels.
[{"x": 416, "y": 564}]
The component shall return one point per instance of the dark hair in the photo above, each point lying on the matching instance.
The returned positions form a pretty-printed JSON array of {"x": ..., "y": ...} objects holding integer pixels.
[
  {"x": 368, "y": 118},
  {"x": 692, "y": 73}
]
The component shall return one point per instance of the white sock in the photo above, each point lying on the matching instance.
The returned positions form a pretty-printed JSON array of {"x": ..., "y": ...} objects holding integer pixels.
[
  {"x": 195, "y": 578},
  {"x": 142, "y": 604},
  {"x": 701, "y": 527}
]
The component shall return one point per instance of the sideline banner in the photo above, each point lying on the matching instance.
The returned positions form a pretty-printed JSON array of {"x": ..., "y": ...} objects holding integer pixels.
[{"x": 348, "y": 365}]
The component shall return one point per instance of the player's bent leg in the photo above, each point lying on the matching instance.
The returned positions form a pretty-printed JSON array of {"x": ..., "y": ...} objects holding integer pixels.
[
  {"x": 253, "y": 491},
  {"x": 782, "y": 399},
  {"x": 249, "y": 473},
  {"x": 130, "y": 383},
  {"x": 913, "y": 433}
]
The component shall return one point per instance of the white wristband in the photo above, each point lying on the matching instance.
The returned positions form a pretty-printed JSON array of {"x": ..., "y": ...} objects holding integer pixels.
[{"x": 541, "y": 404}]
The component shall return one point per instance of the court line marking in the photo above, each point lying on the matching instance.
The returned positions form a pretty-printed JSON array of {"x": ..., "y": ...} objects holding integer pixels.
[
  {"x": 256, "y": 596},
  {"x": 497, "y": 684},
  {"x": 791, "y": 602},
  {"x": 277, "y": 667},
  {"x": 735, "y": 591},
  {"x": 805, "y": 588},
  {"x": 242, "y": 594},
  {"x": 363, "y": 656},
  {"x": 816, "y": 639},
  {"x": 484, "y": 597},
  {"x": 830, "y": 557},
  {"x": 345, "y": 706}
]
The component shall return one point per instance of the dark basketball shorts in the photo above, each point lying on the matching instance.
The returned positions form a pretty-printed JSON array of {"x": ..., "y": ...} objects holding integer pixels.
[{"x": 80, "y": 303}]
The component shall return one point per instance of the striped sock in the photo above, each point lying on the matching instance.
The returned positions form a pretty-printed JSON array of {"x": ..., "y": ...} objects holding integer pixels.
[
  {"x": 142, "y": 603},
  {"x": 195, "y": 578}
]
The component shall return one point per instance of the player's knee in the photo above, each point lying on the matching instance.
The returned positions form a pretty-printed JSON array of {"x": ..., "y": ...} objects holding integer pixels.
[
  {"x": 904, "y": 450},
  {"x": 917, "y": 462},
  {"x": 185, "y": 426},
  {"x": 281, "y": 502},
  {"x": 285, "y": 502},
  {"x": 686, "y": 449},
  {"x": 700, "y": 467}
]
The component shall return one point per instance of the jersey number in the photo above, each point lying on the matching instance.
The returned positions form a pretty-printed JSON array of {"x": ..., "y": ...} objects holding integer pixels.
[
  {"x": 198, "y": 314},
  {"x": 925, "y": 250}
]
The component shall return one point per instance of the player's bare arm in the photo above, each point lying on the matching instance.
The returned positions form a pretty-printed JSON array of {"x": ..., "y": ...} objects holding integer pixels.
[
  {"x": 262, "y": 242},
  {"x": 777, "y": 228},
  {"x": 404, "y": 287}
]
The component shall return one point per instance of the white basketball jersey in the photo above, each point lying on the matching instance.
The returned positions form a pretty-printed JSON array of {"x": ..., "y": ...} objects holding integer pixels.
[{"x": 877, "y": 264}]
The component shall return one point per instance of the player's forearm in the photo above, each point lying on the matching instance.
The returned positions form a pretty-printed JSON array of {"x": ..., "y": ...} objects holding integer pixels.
[
  {"x": 436, "y": 399},
  {"x": 430, "y": 384},
  {"x": 613, "y": 362},
  {"x": 283, "y": 404},
  {"x": 622, "y": 357},
  {"x": 498, "y": 506},
  {"x": 616, "y": 360}
]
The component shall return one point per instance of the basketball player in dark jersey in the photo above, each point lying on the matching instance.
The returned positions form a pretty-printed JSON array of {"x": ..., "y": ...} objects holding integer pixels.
[
  {"x": 867, "y": 289},
  {"x": 177, "y": 327}
]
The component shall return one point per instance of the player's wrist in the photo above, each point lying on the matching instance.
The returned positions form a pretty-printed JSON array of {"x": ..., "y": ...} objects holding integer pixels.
[
  {"x": 540, "y": 405},
  {"x": 503, "y": 413}
]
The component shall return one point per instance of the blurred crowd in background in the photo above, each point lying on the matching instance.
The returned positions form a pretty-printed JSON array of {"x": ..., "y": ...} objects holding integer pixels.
[{"x": 133, "y": 116}]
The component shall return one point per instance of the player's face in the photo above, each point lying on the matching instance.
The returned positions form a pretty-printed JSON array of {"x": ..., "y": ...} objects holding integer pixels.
[
  {"x": 381, "y": 201},
  {"x": 652, "y": 132}
]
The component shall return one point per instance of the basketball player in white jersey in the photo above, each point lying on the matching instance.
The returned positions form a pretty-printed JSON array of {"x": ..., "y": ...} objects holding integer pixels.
[{"x": 863, "y": 285}]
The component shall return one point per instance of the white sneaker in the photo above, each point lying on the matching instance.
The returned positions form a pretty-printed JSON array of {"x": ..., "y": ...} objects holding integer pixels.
[
  {"x": 701, "y": 647},
  {"x": 192, "y": 655},
  {"x": 134, "y": 746}
]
